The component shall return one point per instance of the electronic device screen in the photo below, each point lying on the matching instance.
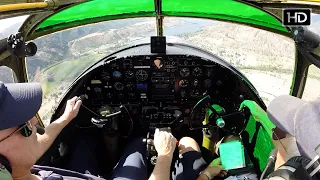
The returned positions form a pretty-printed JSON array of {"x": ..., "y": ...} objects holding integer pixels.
[{"x": 232, "y": 155}]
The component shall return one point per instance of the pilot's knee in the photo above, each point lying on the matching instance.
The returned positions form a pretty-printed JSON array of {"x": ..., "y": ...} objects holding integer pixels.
[{"x": 188, "y": 144}]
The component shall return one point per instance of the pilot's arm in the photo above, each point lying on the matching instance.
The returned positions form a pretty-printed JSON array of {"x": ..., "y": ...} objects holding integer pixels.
[
  {"x": 165, "y": 144},
  {"x": 54, "y": 129}
]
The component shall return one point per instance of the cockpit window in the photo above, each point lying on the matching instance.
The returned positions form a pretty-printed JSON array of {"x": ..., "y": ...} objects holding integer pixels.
[
  {"x": 265, "y": 58},
  {"x": 11, "y": 25},
  {"x": 313, "y": 79},
  {"x": 63, "y": 56},
  {"x": 315, "y": 22},
  {"x": 6, "y": 74}
]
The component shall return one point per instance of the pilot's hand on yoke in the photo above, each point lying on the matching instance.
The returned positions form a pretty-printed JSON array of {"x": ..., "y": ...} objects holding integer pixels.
[
  {"x": 164, "y": 143},
  {"x": 72, "y": 109}
]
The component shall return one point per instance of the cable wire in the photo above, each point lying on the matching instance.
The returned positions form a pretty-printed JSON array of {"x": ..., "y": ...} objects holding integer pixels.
[{"x": 131, "y": 121}]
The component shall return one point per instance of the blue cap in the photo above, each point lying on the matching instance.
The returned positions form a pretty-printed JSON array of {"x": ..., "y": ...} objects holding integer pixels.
[{"x": 19, "y": 102}]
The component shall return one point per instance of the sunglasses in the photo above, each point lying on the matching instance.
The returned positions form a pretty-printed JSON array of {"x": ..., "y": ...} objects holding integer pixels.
[{"x": 25, "y": 130}]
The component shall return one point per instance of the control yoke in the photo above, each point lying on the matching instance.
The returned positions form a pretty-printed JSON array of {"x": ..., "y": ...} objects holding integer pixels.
[{"x": 219, "y": 120}]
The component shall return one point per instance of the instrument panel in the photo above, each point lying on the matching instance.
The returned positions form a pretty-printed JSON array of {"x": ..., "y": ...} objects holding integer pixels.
[
  {"x": 139, "y": 79},
  {"x": 161, "y": 89}
]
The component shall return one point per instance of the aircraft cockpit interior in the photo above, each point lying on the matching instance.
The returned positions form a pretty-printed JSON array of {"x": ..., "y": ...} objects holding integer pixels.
[{"x": 184, "y": 67}]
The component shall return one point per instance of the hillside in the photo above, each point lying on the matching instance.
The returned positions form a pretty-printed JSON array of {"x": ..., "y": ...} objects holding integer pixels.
[{"x": 242, "y": 49}]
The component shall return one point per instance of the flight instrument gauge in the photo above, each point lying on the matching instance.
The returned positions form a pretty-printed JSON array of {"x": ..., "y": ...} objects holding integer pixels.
[
  {"x": 207, "y": 83},
  {"x": 127, "y": 63},
  {"x": 197, "y": 72},
  {"x": 185, "y": 72},
  {"x": 183, "y": 83},
  {"x": 105, "y": 76},
  {"x": 119, "y": 86},
  {"x": 129, "y": 74},
  {"x": 209, "y": 72},
  {"x": 117, "y": 75},
  {"x": 142, "y": 75}
]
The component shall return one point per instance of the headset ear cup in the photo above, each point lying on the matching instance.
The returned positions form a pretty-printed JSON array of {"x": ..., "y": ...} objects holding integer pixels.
[
  {"x": 304, "y": 161},
  {"x": 301, "y": 160},
  {"x": 282, "y": 173},
  {"x": 293, "y": 162},
  {"x": 4, "y": 161}
]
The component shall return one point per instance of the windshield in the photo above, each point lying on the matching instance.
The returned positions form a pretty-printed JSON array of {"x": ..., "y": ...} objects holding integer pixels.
[
  {"x": 313, "y": 79},
  {"x": 63, "y": 56},
  {"x": 11, "y": 25},
  {"x": 267, "y": 59}
]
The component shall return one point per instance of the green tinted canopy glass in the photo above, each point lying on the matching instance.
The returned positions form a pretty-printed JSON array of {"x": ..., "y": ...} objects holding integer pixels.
[
  {"x": 101, "y": 10},
  {"x": 222, "y": 9}
]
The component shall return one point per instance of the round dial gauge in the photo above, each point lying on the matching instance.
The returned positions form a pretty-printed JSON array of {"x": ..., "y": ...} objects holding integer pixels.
[
  {"x": 105, "y": 76},
  {"x": 119, "y": 86},
  {"x": 183, "y": 83},
  {"x": 207, "y": 83},
  {"x": 141, "y": 75},
  {"x": 185, "y": 72},
  {"x": 130, "y": 86},
  {"x": 209, "y": 72},
  {"x": 197, "y": 72},
  {"x": 129, "y": 74},
  {"x": 194, "y": 93},
  {"x": 117, "y": 75},
  {"x": 127, "y": 63}
]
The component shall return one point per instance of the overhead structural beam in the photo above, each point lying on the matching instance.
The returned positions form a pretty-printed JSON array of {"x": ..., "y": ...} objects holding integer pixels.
[
  {"x": 32, "y": 7},
  {"x": 159, "y": 17},
  {"x": 24, "y": 6}
]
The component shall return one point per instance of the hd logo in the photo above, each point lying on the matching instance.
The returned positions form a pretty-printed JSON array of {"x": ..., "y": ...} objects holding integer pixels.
[{"x": 294, "y": 17}]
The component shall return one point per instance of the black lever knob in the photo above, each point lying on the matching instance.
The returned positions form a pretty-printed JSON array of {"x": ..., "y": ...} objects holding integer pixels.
[{"x": 177, "y": 114}]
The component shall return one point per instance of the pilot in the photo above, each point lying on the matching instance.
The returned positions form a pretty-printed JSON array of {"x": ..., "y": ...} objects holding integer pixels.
[
  {"x": 295, "y": 124},
  {"x": 19, "y": 142},
  {"x": 21, "y": 146}
]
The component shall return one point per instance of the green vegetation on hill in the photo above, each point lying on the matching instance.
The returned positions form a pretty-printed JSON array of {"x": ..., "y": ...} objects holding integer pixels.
[
  {"x": 66, "y": 71},
  {"x": 48, "y": 86}
]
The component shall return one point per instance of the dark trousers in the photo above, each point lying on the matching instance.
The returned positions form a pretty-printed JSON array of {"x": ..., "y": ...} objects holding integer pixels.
[{"x": 132, "y": 164}]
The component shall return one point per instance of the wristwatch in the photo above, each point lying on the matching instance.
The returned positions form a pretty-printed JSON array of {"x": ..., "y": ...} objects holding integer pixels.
[{"x": 207, "y": 174}]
